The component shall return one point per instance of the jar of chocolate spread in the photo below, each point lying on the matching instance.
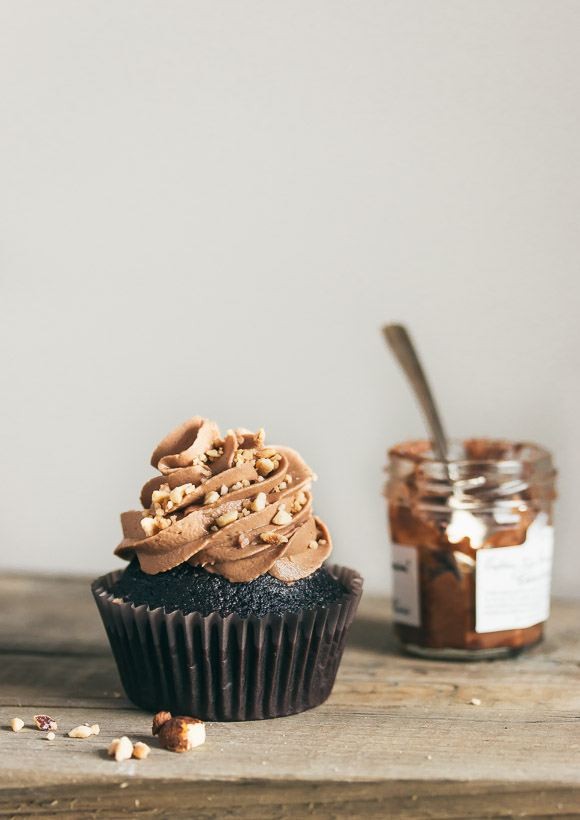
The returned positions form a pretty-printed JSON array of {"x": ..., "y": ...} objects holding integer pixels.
[{"x": 472, "y": 546}]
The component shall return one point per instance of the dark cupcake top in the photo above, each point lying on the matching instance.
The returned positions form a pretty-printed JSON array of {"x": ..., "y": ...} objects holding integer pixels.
[{"x": 229, "y": 504}]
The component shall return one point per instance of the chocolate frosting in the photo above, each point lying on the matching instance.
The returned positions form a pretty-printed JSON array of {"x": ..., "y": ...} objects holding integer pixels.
[{"x": 229, "y": 504}]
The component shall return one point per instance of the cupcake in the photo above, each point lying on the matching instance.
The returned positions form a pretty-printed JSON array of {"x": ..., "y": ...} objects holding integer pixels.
[{"x": 227, "y": 609}]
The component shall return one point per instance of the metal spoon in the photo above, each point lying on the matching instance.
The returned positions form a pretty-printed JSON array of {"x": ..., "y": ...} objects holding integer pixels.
[{"x": 401, "y": 345}]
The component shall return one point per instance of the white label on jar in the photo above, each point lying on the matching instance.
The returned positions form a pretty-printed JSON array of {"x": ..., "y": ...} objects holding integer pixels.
[
  {"x": 406, "y": 606},
  {"x": 512, "y": 584}
]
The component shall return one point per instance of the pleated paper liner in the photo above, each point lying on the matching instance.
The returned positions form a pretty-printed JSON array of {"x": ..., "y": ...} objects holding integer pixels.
[{"x": 230, "y": 668}]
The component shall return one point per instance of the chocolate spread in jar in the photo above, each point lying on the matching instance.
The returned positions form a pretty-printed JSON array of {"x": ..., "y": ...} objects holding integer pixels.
[{"x": 493, "y": 494}]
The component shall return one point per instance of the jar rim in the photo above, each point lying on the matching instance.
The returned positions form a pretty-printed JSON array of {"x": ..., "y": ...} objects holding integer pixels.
[{"x": 421, "y": 451}]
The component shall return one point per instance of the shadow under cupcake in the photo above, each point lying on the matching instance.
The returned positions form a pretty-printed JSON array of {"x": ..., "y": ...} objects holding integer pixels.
[{"x": 227, "y": 610}]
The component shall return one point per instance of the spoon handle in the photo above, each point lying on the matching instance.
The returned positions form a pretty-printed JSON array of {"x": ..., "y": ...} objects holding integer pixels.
[{"x": 401, "y": 345}]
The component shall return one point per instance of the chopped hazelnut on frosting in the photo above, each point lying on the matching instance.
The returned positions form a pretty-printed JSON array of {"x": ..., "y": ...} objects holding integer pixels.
[
  {"x": 152, "y": 526},
  {"x": 227, "y": 518},
  {"x": 299, "y": 502},
  {"x": 282, "y": 517},
  {"x": 273, "y": 538},
  {"x": 266, "y": 453},
  {"x": 259, "y": 503},
  {"x": 161, "y": 495},
  {"x": 264, "y": 466}
]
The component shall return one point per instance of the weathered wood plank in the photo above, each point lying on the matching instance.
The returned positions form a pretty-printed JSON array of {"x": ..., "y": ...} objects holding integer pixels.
[
  {"x": 283, "y": 800},
  {"x": 397, "y": 737},
  {"x": 327, "y": 744}
]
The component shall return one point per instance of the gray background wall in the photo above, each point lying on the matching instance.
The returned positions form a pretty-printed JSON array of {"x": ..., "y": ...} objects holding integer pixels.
[{"x": 212, "y": 207}]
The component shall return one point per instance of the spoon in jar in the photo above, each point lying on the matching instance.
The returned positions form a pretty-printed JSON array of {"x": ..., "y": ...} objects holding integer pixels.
[
  {"x": 398, "y": 339},
  {"x": 462, "y": 522}
]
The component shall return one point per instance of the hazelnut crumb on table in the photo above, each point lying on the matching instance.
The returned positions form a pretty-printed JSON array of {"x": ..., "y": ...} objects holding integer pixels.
[
  {"x": 141, "y": 750},
  {"x": 121, "y": 749},
  {"x": 45, "y": 723},
  {"x": 180, "y": 733},
  {"x": 81, "y": 731}
]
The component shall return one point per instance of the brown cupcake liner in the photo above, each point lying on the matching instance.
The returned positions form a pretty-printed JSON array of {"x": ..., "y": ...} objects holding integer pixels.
[{"x": 230, "y": 668}]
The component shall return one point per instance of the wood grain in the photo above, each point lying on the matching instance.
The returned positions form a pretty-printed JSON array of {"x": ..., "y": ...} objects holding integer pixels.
[{"x": 397, "y": 738}]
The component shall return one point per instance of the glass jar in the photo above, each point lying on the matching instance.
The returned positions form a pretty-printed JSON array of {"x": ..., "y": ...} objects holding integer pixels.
[{"x": 472, "y": 547}]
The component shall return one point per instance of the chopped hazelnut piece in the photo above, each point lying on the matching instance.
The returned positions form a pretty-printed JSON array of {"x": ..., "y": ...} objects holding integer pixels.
[
  {"x": 148, "y": 525},
  {"x": 96, "y": 729},
  {"x": 159, "y": 496},
  {"x": 181, "y": 734},
  {"x": 123, "y": 750},
  {"x": 113, "y": 746},
  {"x": 259, "y": 503},
  {"x": 475, "y": 702},
  {"x": 299, "y": 502},
  {"x": 81, "y": 731},
  {"x": 227, "y": 518},
  {"x": 282, "y": 517},
  {"x": 17, "y": 724},
  {"x": 45, "y": 723},
  {"x": 273, "y": 538},
  {"x": 152, "y": 526},
  {"x": 266, "y": 453},
  {"x": 50, "y": 736},
  {"x": 242, "y": 456},
  {"x": 141, "y": 750},
  {"x": 158, "y": 721},
  {"x": 223, "y": 490},
  {"x": 313, "y": 545},
  {"x": 178, "y": 493},
  {"x": 211, "y": 497},
  {"x": 264, "y": 466}
]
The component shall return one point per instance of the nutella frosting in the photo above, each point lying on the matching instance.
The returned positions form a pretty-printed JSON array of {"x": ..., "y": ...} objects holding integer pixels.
[{"x": 230, "y": 504}]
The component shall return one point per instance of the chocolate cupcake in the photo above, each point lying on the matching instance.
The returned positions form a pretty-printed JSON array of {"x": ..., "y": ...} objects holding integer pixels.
[{"x": 227, "y": 610}]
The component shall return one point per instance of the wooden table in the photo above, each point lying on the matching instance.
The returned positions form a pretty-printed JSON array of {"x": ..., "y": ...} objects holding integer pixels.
[{"x": 397, "y": 738}]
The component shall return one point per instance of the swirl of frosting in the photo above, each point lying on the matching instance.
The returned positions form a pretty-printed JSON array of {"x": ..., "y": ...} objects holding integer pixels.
[{"x": 231, "y": 505}]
